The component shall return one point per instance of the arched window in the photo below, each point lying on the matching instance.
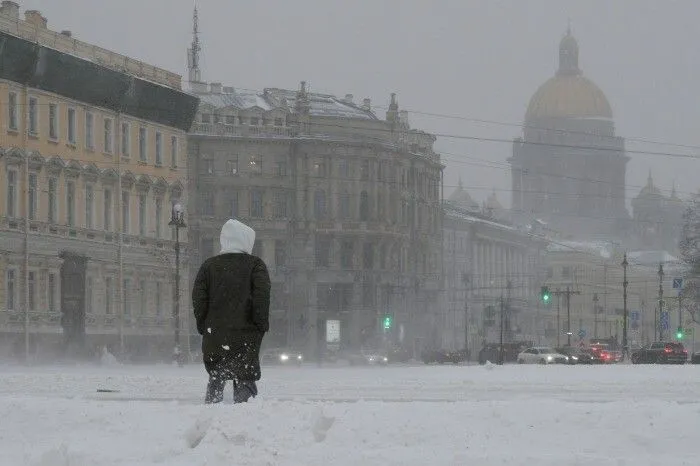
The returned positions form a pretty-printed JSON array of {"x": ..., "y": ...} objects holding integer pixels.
[
  {"x": 364, "y": 206},
  {"x": 320, "y": 210}
]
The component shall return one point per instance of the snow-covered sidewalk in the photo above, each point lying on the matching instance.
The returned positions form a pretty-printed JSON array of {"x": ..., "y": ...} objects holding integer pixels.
[{"x": 511, "y": 415}]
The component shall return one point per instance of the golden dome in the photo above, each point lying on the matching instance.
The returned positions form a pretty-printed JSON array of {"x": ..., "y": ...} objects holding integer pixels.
[{"x": 568, "y": 94}]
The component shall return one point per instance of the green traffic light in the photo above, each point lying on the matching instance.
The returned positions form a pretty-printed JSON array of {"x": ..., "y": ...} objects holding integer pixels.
[
  {"x": 387, "y": 322},
  {"x": 545, "y": 298},
  {"x": 679, "y": 334}
]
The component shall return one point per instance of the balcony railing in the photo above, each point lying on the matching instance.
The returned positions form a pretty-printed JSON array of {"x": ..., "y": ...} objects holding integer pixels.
[{"x": 219, "y": 129}]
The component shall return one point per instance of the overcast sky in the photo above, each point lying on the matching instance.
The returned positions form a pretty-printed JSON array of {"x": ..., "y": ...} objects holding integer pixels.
[{"x": 478, "y": 59}]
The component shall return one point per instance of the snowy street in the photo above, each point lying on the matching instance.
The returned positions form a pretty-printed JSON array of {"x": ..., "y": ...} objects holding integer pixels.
[{"x": 451, "y": 415}]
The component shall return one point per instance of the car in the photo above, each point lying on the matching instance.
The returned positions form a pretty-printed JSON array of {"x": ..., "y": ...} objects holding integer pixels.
[
  {"x": 571, "y": 352},
  {"x": 695, "y": 359},
  {"x": 588, "y": 356},
  {"x": 281, "y": 356},
  {"x": 603, "y": 352},
  {"x": 542, "y": 355},
  {"x": 443, "y": 356},
  {"x": 661, "y": 352},
  {"x": 371, "y": 358}
]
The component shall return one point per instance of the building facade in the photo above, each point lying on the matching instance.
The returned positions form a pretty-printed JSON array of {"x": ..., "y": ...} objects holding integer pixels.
[
  {"x": 489, "y": 266},
  {"x": 657, "y": 219},
  {"x": 568, "y": 168},
  {"x": 346, "y": 207},
  {"x": 92, "y": 157}
]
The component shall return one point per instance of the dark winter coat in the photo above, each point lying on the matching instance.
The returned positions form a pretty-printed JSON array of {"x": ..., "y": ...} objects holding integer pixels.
[{"x": 231, "y": 301}]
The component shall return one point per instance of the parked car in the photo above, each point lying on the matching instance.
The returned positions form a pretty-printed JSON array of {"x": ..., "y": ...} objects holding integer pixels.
[
  {"x": 661, "y": 353},
  {"x": 281, "y": 356},
  {"x": 696, "y": 358},
  {"x": 542, "y": 355},
  {"x": 588, "y": 356},
  {"x": 366, "y": 358},
  {"x": 575, "y": 354},
  {"x": 491, "y": 351},
  {"x": 604, "y": 353},
  {"x": 443, "y": 356}
]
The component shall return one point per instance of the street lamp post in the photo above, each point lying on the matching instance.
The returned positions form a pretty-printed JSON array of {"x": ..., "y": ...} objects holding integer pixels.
[
  {"x": 625, "y": 349},
  {"x": 595, "y": 315},
  {"x": 178, "y": 221}
]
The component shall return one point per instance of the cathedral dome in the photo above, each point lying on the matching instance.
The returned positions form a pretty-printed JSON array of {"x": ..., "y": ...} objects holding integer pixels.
[{"x": 568, "y": 94}]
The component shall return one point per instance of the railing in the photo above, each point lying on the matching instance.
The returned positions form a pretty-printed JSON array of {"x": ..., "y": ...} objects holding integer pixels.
[
  {"x": 219, "y": 129},
  {"x": 93, "y": 53}
]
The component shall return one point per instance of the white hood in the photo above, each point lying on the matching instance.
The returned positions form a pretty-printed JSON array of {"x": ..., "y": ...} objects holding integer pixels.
[{"x": 236, "y": 237}]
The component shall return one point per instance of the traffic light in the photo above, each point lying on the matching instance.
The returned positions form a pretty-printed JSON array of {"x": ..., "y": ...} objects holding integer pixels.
[
  {"x": 679, "y": 333},
  {"x": 545, "y": 294},
  {"x": 387, "y": 322}
]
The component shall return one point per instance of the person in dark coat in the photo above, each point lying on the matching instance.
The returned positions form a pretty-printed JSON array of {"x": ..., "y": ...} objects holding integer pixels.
[{"x": 231, "y": 301}]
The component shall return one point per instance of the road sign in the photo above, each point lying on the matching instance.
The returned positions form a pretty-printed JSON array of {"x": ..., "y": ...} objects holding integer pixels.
[
  {"x": 582, "y": 333},
  {"x": 634, "y": 315},
  {"x": 665, "y": 324},
  {"x": 677, "y": 283}
]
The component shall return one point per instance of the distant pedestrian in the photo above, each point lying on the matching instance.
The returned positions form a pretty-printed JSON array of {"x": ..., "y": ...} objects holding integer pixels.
[{"x": 231, "y": 301}]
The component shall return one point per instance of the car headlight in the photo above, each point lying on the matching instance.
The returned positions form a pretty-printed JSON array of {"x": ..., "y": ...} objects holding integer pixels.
[
  {"x": 549, "y": 358},
  {"x": 575, "y": 358},
  {"x": 284, "y": 357},
  {"x": 300, "y": 357},
  {"x": 386, "y": 359}
]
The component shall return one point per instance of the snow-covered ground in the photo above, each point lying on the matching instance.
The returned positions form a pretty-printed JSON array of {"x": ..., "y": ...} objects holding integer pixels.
[{"x": 451, "y": 415}]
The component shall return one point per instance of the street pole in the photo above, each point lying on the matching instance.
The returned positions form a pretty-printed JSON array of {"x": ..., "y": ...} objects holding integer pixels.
[
  {"x": 558, "y": 317},
  {"x": 680, "y": 309},
  {"x": 568, "y": 317},
  {"x": 595, "y": 315},
  {"x": 177, "y": 221},
  {"x": 500, "y": 348},
  {"x": 625, "y": 349},
  {"x": 661, "y": 301}
]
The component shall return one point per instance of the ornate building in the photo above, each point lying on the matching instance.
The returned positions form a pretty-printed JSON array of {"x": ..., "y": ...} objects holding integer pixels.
[
  {"x": 657, "y": 219},
  {"x": 346, "y": 206},
  {"x": 92, "y": 156},
  {"x": 568, "y": 168}
]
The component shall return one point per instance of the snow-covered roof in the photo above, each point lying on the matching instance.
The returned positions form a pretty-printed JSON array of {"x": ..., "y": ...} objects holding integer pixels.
[
  {"x": 459, "y": 214},
  {"x": 322, "y": 105}
]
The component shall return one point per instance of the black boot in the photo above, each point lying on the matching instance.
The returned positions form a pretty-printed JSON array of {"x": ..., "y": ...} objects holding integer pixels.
[
  {"x": 215, "y": 390},
  {"x": 243, "y": 390}
]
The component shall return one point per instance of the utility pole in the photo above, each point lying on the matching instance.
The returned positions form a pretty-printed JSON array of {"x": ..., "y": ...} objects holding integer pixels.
[
  {"x": 625, "y": 348},
  {"x": 557, "y": 293},
  {"x": 568, "y": 292},
  {"x": 595, "y": 315},
  {"x": 500, "y": 347},
  {"x": 661, "y": 301}
]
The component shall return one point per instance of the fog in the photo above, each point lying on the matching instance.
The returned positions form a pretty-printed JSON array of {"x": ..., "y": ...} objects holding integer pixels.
[{"x": 477, "y": 59}]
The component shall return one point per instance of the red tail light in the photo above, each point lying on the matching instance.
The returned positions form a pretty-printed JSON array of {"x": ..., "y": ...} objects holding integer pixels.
[{"x": 668, "y": 350}]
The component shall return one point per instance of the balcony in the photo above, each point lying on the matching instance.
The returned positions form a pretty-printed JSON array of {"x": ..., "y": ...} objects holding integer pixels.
[{"x": 244, "y": 131}]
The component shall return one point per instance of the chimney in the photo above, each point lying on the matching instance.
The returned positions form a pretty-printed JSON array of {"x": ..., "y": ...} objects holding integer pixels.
[
  {"x": 348, "y": 98},
  {"x": 215, "y": 88},
  {"x": 10, "y": 9},
  {"x": 67, "y": 33},
  {"x": 367, "y": 104},
  {"x": 35, "y": 18}
]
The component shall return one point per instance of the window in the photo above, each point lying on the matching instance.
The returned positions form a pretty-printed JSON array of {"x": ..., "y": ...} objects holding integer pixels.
[
  {"x": 364, "y": 206},
  {"x": 12, "y": 120},
  {"x": 173, "y": 151},
  {"x": 566, "y": 272},
  {"x": 143, "y": 144},
  {"x": 159, "y": 148},
  {"x": 159, "y": 217},
  {"x": 71, "y": 126},
  {"x": 279, "y": 122},
  {"x": 11, "y": 193},
  {"x": 143, "y": 219},
  {"x": 319, "y": 169},
  {"x": 158, "y": 300},
  {"x": 550, "y": 272},
  {"x": 231, "y": 166},
  {"x": 209, "y": 166},
  {"x": 107, "y": 221},
  {"x": 143, "y": 297},
  {"x": 258, "y": 249},
  {"x": 53, "y": 121},
  {"x": 323, "y": 251},
  {"x": 364, "y": 170},
  {"x": 344, "y": 205},
  {"x": 320, "y": 204},
  {"x": 368, "y": 256},
  {"x": 33, "y": 116},
  {"x": 234, "y": 204},
  {"x": 11, "y": 291},
  {"x": 126, "y": 296},
  {"x": 109, "y": 293},
  {"x": 126, "y": 139},
  {"x": 206, "y": 203},
  {"x": 32, "y": 196},
  {"x": 206, "y": 117},
  {"x": 344, "y": 168},
  {"x": 230, "y": 119},
  {"x": 70, "y": 203},
  {"x": 346, "y": 253},
  {"x": 254, "y": 121},
  {"x": 53, "y": 292},
  {"x": 281, "y": 168},
  {"x": 241, "y": 120},
  {"x": 256, "y": 164},
  {"x": 109, "y": 136},
  {"x": 368, "y": 294},
  {"x": 280, "y": 205},
  {"x": 280, "y": 253},
  {"x": 256, "y": 203},
  {"x": 89, "y": 206},
  {"x": 89, "y": 282},
  {"x": 89, "y": 133},
  {"x": 125, "y": 212},
  {"x": 380, "y": 206},
  {"x": 53, "y": 208}
]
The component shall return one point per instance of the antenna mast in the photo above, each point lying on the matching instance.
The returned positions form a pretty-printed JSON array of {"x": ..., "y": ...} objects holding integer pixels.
[{"x": 195, "y": 75}]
